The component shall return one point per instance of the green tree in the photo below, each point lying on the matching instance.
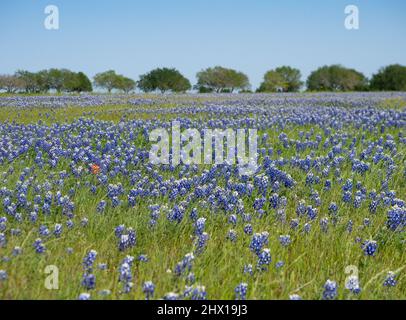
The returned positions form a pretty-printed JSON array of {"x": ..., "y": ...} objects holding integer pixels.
[
  {"x": 11, "y": 83},
  {"x": 163, "y": 79},
  {"x": 77, "y": 82},
  {"x": 336, "y": 78},
  {"x": 390, "y": 78},
  {"x": 273, "y": 82},
  {"x": 125, "y": 84},
  {"x": 291, "y": 77},
  {"x": 221, "y": 79},
  {"x": 106, "y": 80},
  {"x": 284, "y": 78},
  {"x": 55, "y": 78},
  {"x": 34, "y": 82}
]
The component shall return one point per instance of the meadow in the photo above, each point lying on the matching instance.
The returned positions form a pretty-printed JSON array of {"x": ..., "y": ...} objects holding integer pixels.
[{"x": 323, "y": 217}]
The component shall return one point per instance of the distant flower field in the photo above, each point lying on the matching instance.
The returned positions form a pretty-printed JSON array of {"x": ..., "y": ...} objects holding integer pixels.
[{"x": 323, "y": 217}]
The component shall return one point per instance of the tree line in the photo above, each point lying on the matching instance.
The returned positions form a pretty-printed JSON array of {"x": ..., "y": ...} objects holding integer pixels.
[{"x": 216, "y": 79}]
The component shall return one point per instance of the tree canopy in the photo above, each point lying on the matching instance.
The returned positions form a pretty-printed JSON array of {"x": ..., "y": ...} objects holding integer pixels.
[
  {"x": 60, "y": 80},
  {"x": 11, "y": 83},
  {"x": 221, "y": 79},
  {"x": 390, "y": 78},
  {"x": 216, "y": 79},
  {"x": 285, "y": 78},
  {"x": 336, "y": 78},
  {"x": 163, "y": 79}
]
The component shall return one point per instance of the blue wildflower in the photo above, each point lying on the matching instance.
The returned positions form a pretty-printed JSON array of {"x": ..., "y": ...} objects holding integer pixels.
[
  {"x": 330, "y": 290},
  {"x": 241, "y": 291}
]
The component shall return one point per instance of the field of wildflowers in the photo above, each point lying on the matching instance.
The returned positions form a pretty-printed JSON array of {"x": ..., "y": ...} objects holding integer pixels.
[{"x": 85, "y": 215}]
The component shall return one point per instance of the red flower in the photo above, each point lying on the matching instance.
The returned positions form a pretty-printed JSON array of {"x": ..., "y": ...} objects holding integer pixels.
[{"x": 95, "y": 169}]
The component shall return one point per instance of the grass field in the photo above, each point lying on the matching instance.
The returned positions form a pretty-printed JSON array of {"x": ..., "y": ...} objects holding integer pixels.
[{"x": 60, "y": 165}]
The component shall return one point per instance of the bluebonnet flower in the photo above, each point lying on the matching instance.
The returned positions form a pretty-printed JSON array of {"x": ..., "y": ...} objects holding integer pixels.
[
  {"x": 248, "y": 229},
  {"x": 396, "y": 218},
  {"x": 307, "y": 227},
  {"x": 193, "y": 214},
  {"x": 332, "y": 208},
  {"x": 324, "y": 224},
  {"x": 357, "y": 202},
  {"x": 390, "y": 280},
  {"x": 274, "y": 200},
  {"x": 241, "y": 291},
  {"x": 367, "y": 222},
  {"x": 281, "y": 215},
  {"x": 119, "y": 230},
  {"x": 176, "y": 214},
  {"x": 127, "y": 240},
  {"x": 258, "y": 241},
  {"x": 330, "y": 290},
  {"x": 39, "y": 246},
  {"x": 89, "y": 281},
  {"x": 3, "y": 275},
  {"x": 199, "y": 226},
  {"x": 185, "y": 265},
  {"x": 295, "y": 297},
  {"x": 294, "y": 224},
  {"x": 301, "y": 208},
  {"x": 58, "y": 230},
  {"x": 17, "y": 251},
  {"x": 148, "y": 288},
  {"x": 125, "y": 275},
  {"x": 171, "y": 296},
  {"x": 232, "y": 219},
  {"x": 70, "y": 224},
  {"x": 84, "y": 222},
  {"x": 347, "y": 185},
  {"x": 232, "y": 235},
  {"x": 284, "y": 240},
  {"x": 143, "y": 258},
  {"x": 264, "y": 259},
  {"x": 89, "y": 260},
  {"x": 196, "y": 293},
  {"x": 33, "y": 217},
  {"x": 152, "y": 223},
  {"x": 248, "y": 269},
  {"x": 279, "y": 264},
  {"x": 353, "y": 285},
  {"x": 124, "y": 242},
  {"x": 3, "y": 240},
  {"x": 190, "y": 278},
  {"x": 84, "y": 296},
  {"x": 101, "y": 206},
  {"x": 347, "y": 196},
  {"x": 44, "y": 231},
  {"x": 3, "y": 225},
  {"x": 201, "y": 242},
  {"x": 350, "y": 225},
  {"x": 311, "y": 212},
  {"x": 370, "y": 247},
  {"x": 131, "y": 201}
]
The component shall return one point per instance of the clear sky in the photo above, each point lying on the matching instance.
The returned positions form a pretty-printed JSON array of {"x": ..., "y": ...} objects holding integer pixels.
[{"x": 135, "y": 36}]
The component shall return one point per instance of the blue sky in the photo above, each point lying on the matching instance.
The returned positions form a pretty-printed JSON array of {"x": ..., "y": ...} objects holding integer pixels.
[{"x": 133, "y": 37}]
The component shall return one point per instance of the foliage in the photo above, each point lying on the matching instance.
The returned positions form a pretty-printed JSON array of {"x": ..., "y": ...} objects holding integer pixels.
[
  {"x": 163, "y": 79},
  {"x": 221, "y": 79},
  {"x": 390, "y": 78},
  {"x": 336, "y": 78},
  {"x": 285, "y": 78}
]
